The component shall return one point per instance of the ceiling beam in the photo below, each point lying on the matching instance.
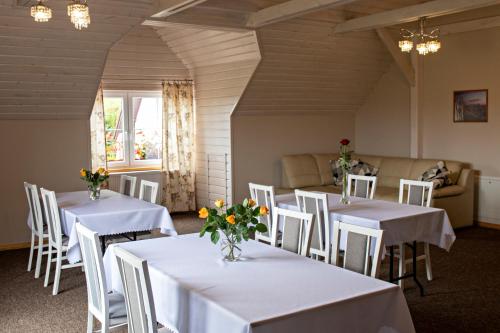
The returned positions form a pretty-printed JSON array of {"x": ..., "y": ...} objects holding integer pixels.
[
  {"x": 200, "y": 25},
  {"x": 479, "y": 24},
  {"x": 169, "y": 7},
  {"x": 288, "y": 10},
  {"x": 411, "y": 13},
  {"x": 402, "y": 60}
]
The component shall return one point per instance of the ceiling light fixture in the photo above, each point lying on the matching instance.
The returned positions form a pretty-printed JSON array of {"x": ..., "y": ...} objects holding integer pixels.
[
  {"x": 40, "y": 12},
  {"x": 78, "y": 11},
  {"x": 426, "y": 42}
]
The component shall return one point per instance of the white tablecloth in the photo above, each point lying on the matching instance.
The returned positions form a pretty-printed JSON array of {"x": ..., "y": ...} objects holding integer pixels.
[
  {"x": 401, "y": 223},
  {"x": 113, "y": 213},
  {"x": 271, "y": 290}
]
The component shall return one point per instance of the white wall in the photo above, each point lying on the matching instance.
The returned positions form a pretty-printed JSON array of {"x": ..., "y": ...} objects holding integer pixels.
[
  {"x": 48, "y": 153},
  {"x": 259, "y": 142}
]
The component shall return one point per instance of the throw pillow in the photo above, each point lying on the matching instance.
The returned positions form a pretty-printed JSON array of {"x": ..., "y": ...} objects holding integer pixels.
[
  {"x": 438, "y": 174},
  {"x": 364, "y": 169},
  {"x": 337, "y": 171}
]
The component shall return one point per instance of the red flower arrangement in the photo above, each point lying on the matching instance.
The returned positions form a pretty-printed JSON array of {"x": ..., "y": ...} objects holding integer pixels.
[{"x": 344, "y": 142}]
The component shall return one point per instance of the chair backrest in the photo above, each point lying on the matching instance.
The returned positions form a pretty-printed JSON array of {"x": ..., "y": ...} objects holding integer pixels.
[
  {"x": 134, "y": 274},
  {"x": 52, "y": 217},
  {"x": 127, "y": 185},
  {"x": 296, "y": 235},
  {"x": 94, "y": 272},
  {"x": 364, "y": 186},
  {"x": 34, "y": 207},
  {"x": 358, "y": 248},
  {"x": 263, "y": 195},
  {"x": 317, "y": 205},
  {"x": 419, "y": 192},
  {"x": 148, "y": 191}
]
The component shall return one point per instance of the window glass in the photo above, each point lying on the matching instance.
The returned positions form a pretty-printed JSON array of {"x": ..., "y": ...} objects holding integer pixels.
[
  {"x": 147, "y": 120},
  {"x": 114, "y": 125}
]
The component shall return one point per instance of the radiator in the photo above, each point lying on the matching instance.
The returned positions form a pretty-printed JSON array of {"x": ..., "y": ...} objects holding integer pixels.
[{"x": 488, "y": 199}]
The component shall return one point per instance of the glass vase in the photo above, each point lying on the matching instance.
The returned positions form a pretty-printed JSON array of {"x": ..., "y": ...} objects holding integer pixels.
[
  {"x": 344, "y": 199},
  {"x": 94, "y": 192},
  {"x": 230, "y": 249}
]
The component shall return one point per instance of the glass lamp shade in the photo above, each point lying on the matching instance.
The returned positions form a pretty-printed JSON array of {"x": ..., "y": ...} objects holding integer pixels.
[
  {"x": 40, "y": 12},
  {"x": 405, "y": 45},
  {"x": 433, "y": 46},
  {"x": 79, "y": 14},
  {"x": 422, "y": 48}
]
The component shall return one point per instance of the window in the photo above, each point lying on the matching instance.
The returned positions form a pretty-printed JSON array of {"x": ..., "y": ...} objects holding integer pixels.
[{"x": 133, "y": 124}]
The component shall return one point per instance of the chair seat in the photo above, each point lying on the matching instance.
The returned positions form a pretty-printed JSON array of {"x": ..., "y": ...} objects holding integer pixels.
[
  {"x": 164, "y": 330},
  {"x": 117, "y": 309}
]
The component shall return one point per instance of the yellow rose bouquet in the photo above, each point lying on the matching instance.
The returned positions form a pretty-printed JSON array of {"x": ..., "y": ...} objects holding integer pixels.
[
  {"x": 94, "y": 181},
  {"x": 235, "y": 223}
]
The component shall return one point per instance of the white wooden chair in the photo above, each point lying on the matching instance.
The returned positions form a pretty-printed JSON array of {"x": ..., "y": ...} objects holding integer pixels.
[
  {"x": 108, "y": 308},
  {"x": 358, "y": 247},
  {"x": 364, "y": 186},
  {"x": 57, "y": 243},
  {"x": 297, "y": 230},
  {"x": 127, "y": 185},
  {"x": 317, "y": 205},
  {"x": 148, "y": 191},
  {"x": 264, "y": 196},
  {"x": 419, "y": 193},
  {"x": 39, "y": 233},
  {"x": 134, "y": 273}
]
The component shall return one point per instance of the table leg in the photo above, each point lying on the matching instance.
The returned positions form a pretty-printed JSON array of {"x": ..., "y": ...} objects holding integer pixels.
[
  {"x": 134, "y": 235},
  {"x": 103, "y": 243},
  {"x": 415, "y": 269},
  {"x": 391, "y": 264}
]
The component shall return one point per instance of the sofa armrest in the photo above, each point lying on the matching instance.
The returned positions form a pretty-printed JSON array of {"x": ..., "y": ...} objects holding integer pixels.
[{"x": 466, "y": 179}]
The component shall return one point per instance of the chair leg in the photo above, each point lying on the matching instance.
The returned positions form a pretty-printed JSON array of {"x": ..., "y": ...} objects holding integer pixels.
[
  {"x": 90, "y": 322},
  {"x": 39, "y": 257},
  {"x": 57, "y": 276},
  {"x": 49, "y": 261},
  {"x": 402, "y": 265},
  {"x": 428, "y": 266},
  {"x": 32, "y": 249},
  {"x": 105, "y": 326}
]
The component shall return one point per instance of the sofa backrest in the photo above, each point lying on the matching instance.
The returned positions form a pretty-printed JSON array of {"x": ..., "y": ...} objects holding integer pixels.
[{"x": 315, "y": 170}]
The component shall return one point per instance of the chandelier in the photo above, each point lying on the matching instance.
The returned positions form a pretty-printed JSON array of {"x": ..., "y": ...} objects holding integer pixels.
[
  {"x": 78, "y": 11},
  {"x": 40, "y": 12},
  {"x": 426, "y": 42}
]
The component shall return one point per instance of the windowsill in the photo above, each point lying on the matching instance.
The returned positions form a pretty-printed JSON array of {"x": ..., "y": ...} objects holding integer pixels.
[{"x": 134, "y": 170}]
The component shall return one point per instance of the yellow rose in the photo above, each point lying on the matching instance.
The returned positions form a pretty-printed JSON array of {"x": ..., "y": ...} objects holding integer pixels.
[
  {"x": 251, "y": 202},
  {"x": 264, "y": 210},
  {"x": 203, "y": 213},
  {"x": 83, "y": 172},
  {"x": 219, "y": 203},
  {"x": 106, "y": 173},
  {"x": 101, "y": 170},
  {"x": 230, "y": 219}
]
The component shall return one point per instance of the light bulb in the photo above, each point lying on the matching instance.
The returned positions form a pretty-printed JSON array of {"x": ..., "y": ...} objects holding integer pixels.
[{"x": 406, "y": 45}]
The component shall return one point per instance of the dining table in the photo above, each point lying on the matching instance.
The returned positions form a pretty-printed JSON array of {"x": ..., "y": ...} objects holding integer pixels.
[
  {"x": 112, "y": 214},
  {"x": 402, "y": 224},
  {"x": 268, "y": 290}
]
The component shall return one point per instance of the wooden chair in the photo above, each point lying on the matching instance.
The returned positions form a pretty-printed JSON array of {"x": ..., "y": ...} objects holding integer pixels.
[
  {"x": 134, "y": 273},
  {"x": 127, "y": 185},
  {"x": 57, "y": 243},
  {"x": 358, "y": 247},
  {"x": 317, "y": 205},
  {"x": 148, "y": 191},
  {"x": 364, "y": 186},
  {"x": 39, "y": 233},
  {"x": 296, "y": 235},
  {"x": 419, "y": 193},
  {"x": 108, "y": 308},
  {"x": 264, "y": 196}
]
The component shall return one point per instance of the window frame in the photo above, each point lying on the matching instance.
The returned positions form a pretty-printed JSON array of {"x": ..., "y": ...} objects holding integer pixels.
[{"x": 129, "y": 161}]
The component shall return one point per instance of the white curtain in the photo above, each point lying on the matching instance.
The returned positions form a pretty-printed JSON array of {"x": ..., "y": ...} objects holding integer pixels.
[
  {"x": 178, "y": 147},
  {"x": 97, "y": 133}
]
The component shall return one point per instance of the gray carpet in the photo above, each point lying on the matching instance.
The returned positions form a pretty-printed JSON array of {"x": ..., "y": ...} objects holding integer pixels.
[{"x": 463, "y": 297}]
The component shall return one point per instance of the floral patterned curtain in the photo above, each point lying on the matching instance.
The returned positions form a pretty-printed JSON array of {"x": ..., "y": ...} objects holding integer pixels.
[
  {"x": 97, "y": 133},
  {"x": 178, "y": 147}
]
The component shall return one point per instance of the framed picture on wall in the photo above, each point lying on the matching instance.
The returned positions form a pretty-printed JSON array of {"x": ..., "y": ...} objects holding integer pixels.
[{"x": 470, "y": 106}]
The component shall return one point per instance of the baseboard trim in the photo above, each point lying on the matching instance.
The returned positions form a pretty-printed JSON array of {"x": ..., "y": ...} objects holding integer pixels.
[
  {"x": 14, "y": 246},
  {"x": 488, "y": 225}
]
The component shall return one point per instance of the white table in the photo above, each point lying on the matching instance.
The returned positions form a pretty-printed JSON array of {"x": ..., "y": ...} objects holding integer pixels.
[
  {"x": 271, "y": 290},
  {"x": 112, "y": 214}
]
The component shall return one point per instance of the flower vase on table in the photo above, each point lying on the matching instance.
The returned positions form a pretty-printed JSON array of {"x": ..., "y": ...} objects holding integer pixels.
[
  {"x": 345, "y": 165},
  {"x": 94, "y": 181},
  {"x": 234, "y": 224}
]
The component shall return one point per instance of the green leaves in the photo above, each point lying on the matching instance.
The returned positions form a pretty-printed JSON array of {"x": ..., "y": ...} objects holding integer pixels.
[
  {"x": 260, "y": 227},
  {"x": 214, "y": 237}
]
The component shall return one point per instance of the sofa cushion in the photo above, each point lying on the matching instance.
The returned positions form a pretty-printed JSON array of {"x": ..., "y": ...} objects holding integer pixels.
[
  {"x": 325, "y": 188},
  {"x": 363, "y": 169},
  {"x": 301, "y": 170},
  {"x": 387, "y": 193},
  {"x": 324, "y": 168},
  {"x": 370, "y": 159},
  {"x": 392, "y": 169},
  {"x": 448, "y": 191},
  {"x": 455, "y": 169},
  {"x": 437, "y": 174}
]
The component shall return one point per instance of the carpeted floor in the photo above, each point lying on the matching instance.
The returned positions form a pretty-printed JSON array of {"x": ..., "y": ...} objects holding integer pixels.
[{"x": 463, "y": 297}]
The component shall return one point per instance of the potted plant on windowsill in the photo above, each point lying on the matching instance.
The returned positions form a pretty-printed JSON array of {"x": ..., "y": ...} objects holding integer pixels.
[
  {"x": 94, "y": 181},
  {"x": 235, "y": 224}
]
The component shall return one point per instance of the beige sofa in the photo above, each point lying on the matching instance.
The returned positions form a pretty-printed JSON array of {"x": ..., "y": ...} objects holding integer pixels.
[{"x": 313, "y": 172}]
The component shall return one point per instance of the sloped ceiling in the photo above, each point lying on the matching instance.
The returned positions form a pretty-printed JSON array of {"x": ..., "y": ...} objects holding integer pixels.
[{"x": 52, "y": 70}]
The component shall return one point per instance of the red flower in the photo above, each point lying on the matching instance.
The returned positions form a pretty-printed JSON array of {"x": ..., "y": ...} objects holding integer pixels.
[{"x": 344, "y": 142}]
